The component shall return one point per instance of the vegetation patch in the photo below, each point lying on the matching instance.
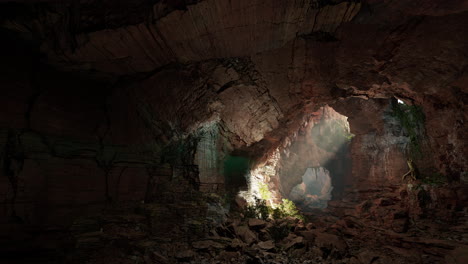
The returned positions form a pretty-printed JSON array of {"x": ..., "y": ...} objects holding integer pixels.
[
  {"x": 411, "y": 119},
  {"x": 261, "y": 210},
  {"x": 265, "y": 193}
]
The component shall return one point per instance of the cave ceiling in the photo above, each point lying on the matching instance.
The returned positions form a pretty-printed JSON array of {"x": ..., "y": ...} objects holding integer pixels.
[{"x": 278, "y": 57}]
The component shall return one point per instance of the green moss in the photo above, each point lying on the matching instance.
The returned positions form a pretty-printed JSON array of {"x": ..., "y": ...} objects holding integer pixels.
[
  {"x": 276, "y": 213},
  {"x": 411, "y": 118},
  {"x": 265, "y": 193},
  {"x": 288, "y": 208}
]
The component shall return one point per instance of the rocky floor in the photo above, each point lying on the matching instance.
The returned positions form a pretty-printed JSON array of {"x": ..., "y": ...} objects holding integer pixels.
[
  {"x": 371, "y": 230},
  {"x": 282, "y": 241},
  {"x": 325, "y": 237}
]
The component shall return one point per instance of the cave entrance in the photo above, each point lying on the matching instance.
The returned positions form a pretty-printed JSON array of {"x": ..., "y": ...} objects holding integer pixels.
[
  {"x": 317, "y": 171},
  {"x": 310, "y": 166}
]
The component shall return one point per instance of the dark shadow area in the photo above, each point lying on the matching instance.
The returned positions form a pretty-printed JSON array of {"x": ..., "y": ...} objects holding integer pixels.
[
  {"x": 235, "y": 169},
  {"x": 339, "y": 166}
]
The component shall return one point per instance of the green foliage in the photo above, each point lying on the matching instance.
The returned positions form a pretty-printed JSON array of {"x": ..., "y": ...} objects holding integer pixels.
[
  {"x": 261, "y": 210},
  {"x": 288, "y": 208},
  {"x": 277, "y": 213},
  {"x": 258, "y": 210},
  {"x": 251, "y": 212},
  {"x": 349, "y": 136},
  {"x": 411, "y": 118},
  {"x": 265, "y": 193}
]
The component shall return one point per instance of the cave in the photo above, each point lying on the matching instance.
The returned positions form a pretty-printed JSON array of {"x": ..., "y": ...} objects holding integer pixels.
[
  {"x": 220, "y": 131},
  {"x": 324, "y": 153}
]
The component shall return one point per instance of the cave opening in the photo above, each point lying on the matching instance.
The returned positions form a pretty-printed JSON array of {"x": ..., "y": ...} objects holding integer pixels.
[{"x": 310, "y": 166}]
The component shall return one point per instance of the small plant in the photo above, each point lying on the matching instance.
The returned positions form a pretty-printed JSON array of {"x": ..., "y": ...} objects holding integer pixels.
[
  {"x": 263, "y": 210},
  {"x": 250, "y": 211},
  {"x": 258, "y": 210},
  {"x": 277, "y": 213},
  {"x": 288, "y": 208}
]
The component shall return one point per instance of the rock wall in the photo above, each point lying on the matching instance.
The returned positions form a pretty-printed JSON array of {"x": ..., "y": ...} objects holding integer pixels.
[
  {"x": 378, "y": 147},
  {"x": 58, "y": 160},
  {"x": 296, "y": 54}
]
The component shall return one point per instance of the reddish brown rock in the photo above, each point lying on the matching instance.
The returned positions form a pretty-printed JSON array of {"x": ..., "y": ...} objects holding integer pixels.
[
  {"x": 245, "y": 234},
  {"x": 330, "y": 242},
  {"x": 256, "y": 223}
]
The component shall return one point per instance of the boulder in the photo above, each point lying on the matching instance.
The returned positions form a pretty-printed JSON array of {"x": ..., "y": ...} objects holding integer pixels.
[
  {"x": 266, "y": 245},
  {"x": 256, "y": 223},
  {"x": 207, "y": 244},
  {"x": 245, "y": 234},
  {"x": 292, "y": 241},
  {"x": 331, "y": 242},
  {"x": 237, "y": 244}
]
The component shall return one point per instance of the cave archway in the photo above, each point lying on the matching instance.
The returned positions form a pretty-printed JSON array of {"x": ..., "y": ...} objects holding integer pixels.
[
  {"x": 318, "y": 160},
  {"x": 310, "y": 166}
]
